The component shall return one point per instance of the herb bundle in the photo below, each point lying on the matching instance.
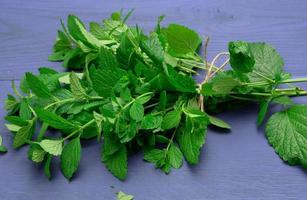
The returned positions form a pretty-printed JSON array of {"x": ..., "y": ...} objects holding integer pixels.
[{"x": 135, "y": 92}]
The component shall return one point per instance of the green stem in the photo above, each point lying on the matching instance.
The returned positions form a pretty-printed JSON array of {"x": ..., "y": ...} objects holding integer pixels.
[
  {"x": 292, "y": 92},
  {"x": 42, "y": 132},
  {"x": 262, "y": 83},
  {"x": 171, "y": 140},
  {"x": 81, "y": 128},
  {"x": 263, "y": 76},
  {"x": 162, "y": 111},
  {"x": 243, "y": 98},
  {"x": 294, "y": 80},
  {"x": 131, "y": 102},
  {"x": 152, "y": 105},
  {"x": 59, "y": 102}
]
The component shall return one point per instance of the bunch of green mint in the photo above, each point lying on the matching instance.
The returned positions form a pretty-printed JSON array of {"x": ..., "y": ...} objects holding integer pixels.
[{"x": 135, "y": 92}]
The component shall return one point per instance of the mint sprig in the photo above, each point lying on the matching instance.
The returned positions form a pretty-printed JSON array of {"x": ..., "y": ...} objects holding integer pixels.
[{"x": 134, "y": 92}]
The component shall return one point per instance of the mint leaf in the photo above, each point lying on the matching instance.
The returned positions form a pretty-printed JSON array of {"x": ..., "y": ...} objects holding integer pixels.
[
  {"x": 222, "y": 84},
  {"x": 286, "y": 133},
  {"x": 12, "y": 127},
  {"x": 98, "y": 120},
  {"x": 153, "y": 48},
  {"x": 54, "y": 120},
  {"x": 181, "y": 40},
  {"x": 106, "y": 59},
  {"x": 284, "y": 100},
  {"x": 151, "y": 121},
  {"x": 98, "y": 31},
  {"x": 191, "y": 137},
  {"x": 117, "y": 163},
  {"x": 54, "y": 147},
  {"x": 122, "y": 196},
  {"x": 77, "y": 30},
  {"x": 218, "y": 122},
  {"x": 36, "y": 153},
  {"x": 175, "y": 156},
  {"x": 11, "y": 104},
  {"x": 24, "y": 134},
  {"x": 241, "y": 57},
  {"x": 25, "y": 112},
  {"x": 104, "y": 80},
  {"x": 47, "y": 166},
  {"x": 137, "y": 111},
  {"x": 183, "y": 83},
  {"x": 268, "y": 63},
  {"x": 70, "y": 157},
  {"x": 171, "y": 119},
  {"x": 37, "y": 86},
  {"x": 262, "y": 112},
  {"x": 3, "y": 149},
  {"x": 76, "y": 88}
]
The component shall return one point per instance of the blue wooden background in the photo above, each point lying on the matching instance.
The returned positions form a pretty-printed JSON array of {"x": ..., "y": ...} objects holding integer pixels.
[{"x": 234, "y": 166}]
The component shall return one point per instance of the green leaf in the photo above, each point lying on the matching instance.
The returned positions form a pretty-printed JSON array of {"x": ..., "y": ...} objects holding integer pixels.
[
  {"x": 218, "y": 122},
  {"x": 77, "y": 30},
  {"x": 181, "y": 40},
  {"x": 123, "y": 196},
  {"x": 192, "y": 112},
  {"x": 268, "y": 63},
  {"x": 262, "y": 112},
  {"x": 47, "y": 70},
  {"x": 171, "y": 119},
  {"x": 24, "y": 87},
  {"x": 175, "y": 156},
  {"x": 191, "y": 137},
  {"x": 11, "y": 104},
  {"x": 25, "y": 112},
  {"x": 129, "y": 133},
  {"x": 151, "y": 121},
  {"x": 24, "y": 134},
  {"x": 54, "y": 147},
  {"x": 106, "y": 59},
  {"x": 241, "y": 57},
  {"x": 153, "y": 48},
  {"x": 47, "y": 166},
  {"x": 104, "y": 80},
  {"x": 137, "y": 111},
  {"x": 76, "y": 88},
  {"x": 144, "y": 98},
  {"x": 222, "y": 84},
  {"x": 54, "y": 120},
  {"x": 98, "y": 31},
  {"x": 117, "y": 163},
  {"x": 154, "y": 155},
  {"x": 98, "y": 120},
  {"x": 36, "y": 153},
  {"x": 16, "y": 120},
  {"x": 62, "y": 43},
  {"x": 160, "y": 139},
  {"x": 284, "y": 100},
  {"x": 183, "y": 83},
  {"x": 3, "y": 149},
  {"x": 287, "y": 134},
  {"x": 70, "y": 157},
  {"x": 166, "y": 158},
  {"x": 37, "y": 86},
  {"x": 12, "y": 127}
]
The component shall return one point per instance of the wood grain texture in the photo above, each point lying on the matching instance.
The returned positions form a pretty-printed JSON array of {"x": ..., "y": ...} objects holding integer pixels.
[{"x": 234, "y": 166}]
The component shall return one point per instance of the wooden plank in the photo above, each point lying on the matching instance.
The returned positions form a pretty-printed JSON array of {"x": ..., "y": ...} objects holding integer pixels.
[
  {"x": 236, "y": 165},
  {"x": 28, "y": 30}
]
